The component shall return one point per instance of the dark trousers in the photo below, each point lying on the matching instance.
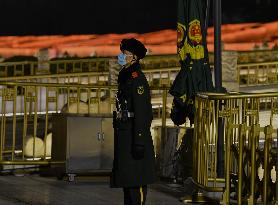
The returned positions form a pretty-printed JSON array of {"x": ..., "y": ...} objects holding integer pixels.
[{"x": 135, "y": 195}]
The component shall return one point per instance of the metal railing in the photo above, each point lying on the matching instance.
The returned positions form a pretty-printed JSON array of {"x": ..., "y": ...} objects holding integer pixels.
[
  {"x": 26, "y": 111},
  {"x": 158, "y": 71},
  {"x": 250, "y": 124},
  {"x": 90, "y": 78},
  {"x": 25, "y": 68},
  {"x": 257, "y": 56},
  {"x": 78, "y": 65},
  {"x": 158, "y": 62},
  {"x": 258, "y": 73},
  {"x": 250, "y": 131}
]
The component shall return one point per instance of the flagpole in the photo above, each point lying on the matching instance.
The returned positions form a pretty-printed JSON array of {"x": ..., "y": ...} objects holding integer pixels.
[
  {"x": 217, "y": 45},
  {"x": 218, "y": 83}
]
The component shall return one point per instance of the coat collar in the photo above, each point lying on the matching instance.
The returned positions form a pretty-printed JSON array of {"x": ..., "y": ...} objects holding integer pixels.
[{"x": 128, "y": 73}]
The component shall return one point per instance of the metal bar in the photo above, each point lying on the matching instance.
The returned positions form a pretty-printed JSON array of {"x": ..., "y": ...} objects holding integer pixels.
[
  {"x": 25, "y": 121},
  {"x": 218, "y": 83},
  {"x": 212, "y": 159},
  {"x": 268, "y": 133},
  {"x": 35, "y": 120},
  {"x": 98, "y": 100},
  {"x": 33, "y": 162},
  {"x": 2, "y": 125},
  {"x": 254, "y": 136},
  {"x": 240, "y": 163},
  {"x": 271, "y": 114},
  {"x": 214, "y": 133},
  {"x": 110, "y": 100},
  {"x": 14, "y": 120},
  {"x": 209, "y": 189},
  {"x": 220, "y": 146},
  {"x": 59, "y": 75},
  {"x": 46, "y": 121},
  {"x": 4, "y": 120},
  {"x": 216, "y": 96},
  {"x": 89, "y": 100},
  {"x": 226, "y": 197},
  {"x": 164, "y": 102},
  {"x": 217, "y": 45},
  {"x": 212, "y": 96},
  {"x": 8, "y": 151},
  {"x": 68, "y": 97},
  {"x": 78, "y": 100},
  {"x": 257, "y": 74},
  {"x": 199, "y": 146}
]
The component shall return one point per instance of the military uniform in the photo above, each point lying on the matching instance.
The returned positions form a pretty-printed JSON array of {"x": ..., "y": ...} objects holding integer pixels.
[{"x": 134, "y": 160}]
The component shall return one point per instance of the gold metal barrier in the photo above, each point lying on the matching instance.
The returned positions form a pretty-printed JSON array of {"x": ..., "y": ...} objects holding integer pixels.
[
  {"x": 159, "y": 71},
  {"x": 258, "y": 73},
  {"x": 250, "y": 132},
  {"x": 25, "y": 68},
  {"x": 26, "y": 110},
  {"x": 158, "y": 62},
  {"x": 257, "y": 56},
  {"x": 90, "y": 78},
  {"x": 78, "y": 65},
  {"x": 250, "y": 124}
]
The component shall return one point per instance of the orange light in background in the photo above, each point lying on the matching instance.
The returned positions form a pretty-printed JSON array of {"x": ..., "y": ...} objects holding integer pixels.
[{"x": 240, "y": 37}]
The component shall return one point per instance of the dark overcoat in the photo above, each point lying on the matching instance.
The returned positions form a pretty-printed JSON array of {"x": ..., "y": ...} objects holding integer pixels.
[{"x": 134, "y": 95}]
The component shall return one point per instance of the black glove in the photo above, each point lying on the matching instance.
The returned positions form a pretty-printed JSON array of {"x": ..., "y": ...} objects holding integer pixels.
[{"x": 138, "y": 151}]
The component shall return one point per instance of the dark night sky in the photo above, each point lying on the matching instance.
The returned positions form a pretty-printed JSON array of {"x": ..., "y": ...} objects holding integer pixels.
[{"x": 41, "y": 17}]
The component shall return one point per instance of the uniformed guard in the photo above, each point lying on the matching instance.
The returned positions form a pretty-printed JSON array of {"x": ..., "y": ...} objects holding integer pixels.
[{"x": 134, "y": 162}]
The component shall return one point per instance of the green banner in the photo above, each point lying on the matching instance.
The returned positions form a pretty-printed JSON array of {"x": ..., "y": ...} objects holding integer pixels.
[
  {"x": 195, "y": 74},
  {"x": 191, "y": 29}
]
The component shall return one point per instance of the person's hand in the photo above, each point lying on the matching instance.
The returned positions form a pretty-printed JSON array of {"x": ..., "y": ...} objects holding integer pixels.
[{"x": 138, "y": 151}]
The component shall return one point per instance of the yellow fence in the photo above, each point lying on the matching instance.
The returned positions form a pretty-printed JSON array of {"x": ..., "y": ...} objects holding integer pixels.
[
  {"x": 26, "y": 110},
  {"x": 250, "y": 129},
  {"x": 258, "y": 73},
  {"x": 26, "y": 114},
  {"x": 89, "y": 78},
  {"x": 159, "y": 71},
  {"x": 29, "y": 68},
  {"x": 250, "y": 123},
  {"x": 25, "y": 68},
  {"x": 101, "y": 64}
]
